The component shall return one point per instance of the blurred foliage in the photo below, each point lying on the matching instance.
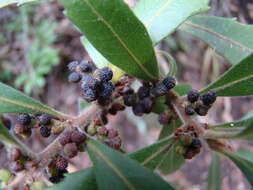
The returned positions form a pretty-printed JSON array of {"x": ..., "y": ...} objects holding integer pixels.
[{"x": 39, "y": 56}]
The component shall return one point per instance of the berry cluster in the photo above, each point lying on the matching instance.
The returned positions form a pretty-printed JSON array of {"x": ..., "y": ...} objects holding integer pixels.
[
  {"x": 96, "y": 85},
  {"x": 72, "y": 142},
  {"x": 199, "y": 104},
  {"x": 57, "y": 168}
]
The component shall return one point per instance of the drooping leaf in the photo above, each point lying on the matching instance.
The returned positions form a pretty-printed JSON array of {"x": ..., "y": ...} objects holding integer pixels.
[
  {"x": 245, "y": 165},
  {"x": 228, "y": 37},
  {"x": 81, "y": 180},
  {"x": 106, "y": 25},
  {"x": 4, "y": 3},
  {"x": 246, "y": 132},
  {"x": 13, "y": 101},
  {"x": 113, "y": 170},
  {"x": 237, "y": 81},
  {"x": 214, "y": 175},
  {"x": 6, "y": 137},
  {"x": 246, "y": 155},
  {"x": 162, "y": 17}
]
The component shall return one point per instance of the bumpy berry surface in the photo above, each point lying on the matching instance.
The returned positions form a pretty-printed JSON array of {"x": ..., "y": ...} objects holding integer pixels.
[
  {"x": 169, "y": 82},
  {"x": 61, "y": 163},
  {"x": 90, "y": 95},
  {"x": 138, "y": 109},
  {"x": 45, "y": 119},
  {"x": 24, "y": 119},
  {"x": 201, "y": 110},
  {"x": 193, "y": 96},
  {"x": 85, "y": 66},
  {"x": 130, "y": 99},
  {"x": 209, "y": 98},
  {"x": 66, "y": 138},
  {"x": 143, "y": 92},
  {"x": 189, "y": 110},
  {"x": 164, "y": 118},
  {"x": 45, "y": 131},
  {"x": 72, "y": 65},
  {"x": 90, "y": 82},
  {"x": 74, "y": 77},
  {"x": 55, "y": 179},
  {"x": 159, "y": 90},
  {"x": 196, "y": 143},
  {"x": 104, "y": 101},
  {"x": 105, "y": 74},
  {"x": 147, "y": 104},
  {"x": 70, "y": 150},
  {"x": 106, "y": 89},
  {"x": 77, "y": 137}
]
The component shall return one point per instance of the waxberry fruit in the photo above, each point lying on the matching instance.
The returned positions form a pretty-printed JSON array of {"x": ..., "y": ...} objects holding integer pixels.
[
  {"x": 7, "y": 123},
  {"x": 189, "y": 110},
  {"x": 201, "y": 109},
  {"x": 143, "y": 92},
  {"x": 61, "y": 163},
  {"x": 74, "y": 77},
  {"x": 112, "y": 133},
  {"x": 24, "y": 119},
  {"x": 159, "y": 90},
  {"x": 112, "y": 111},
  {"x": 77, "y": 137},
  {"x": 45, "y": 131},
  {"x": 138, "y": 109},
  {"x": 130, "y": 99},
  {"x": 45, "y": 119},
  {"x": 72, "y": 65},
  {"x": 104, "y": 101},
  {"x": 164, "y": 118},
  {"x": 193, "y": 96},
  {"x": 66, "y": 138},
  {"x": 106, "y": 89},
  {"x": 70, "y": 150},
  {"x": 196, "y": 143},
  {"x": 147, "y": 104},
  {"x": 85, "y": 66},
  {"x": 102, "y": 131},
  {"x": 208, "y": 98},
  {"x": 90, "y": 82},
  {"x": 169, "y": 82},
  {"x": 15, "y": 154},
  {"x": 90, "y": 95},
  {"x": 105, "y": 74},
  {"x": 189, "y": 154},
  {"x": 55, "y": 179}
]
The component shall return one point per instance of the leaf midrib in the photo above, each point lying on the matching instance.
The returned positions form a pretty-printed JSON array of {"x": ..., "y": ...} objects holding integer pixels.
[
  {"x": 235, "y": 43},
  {"x": 131, "y": 54},
  {"x": 111, "y": 165}
]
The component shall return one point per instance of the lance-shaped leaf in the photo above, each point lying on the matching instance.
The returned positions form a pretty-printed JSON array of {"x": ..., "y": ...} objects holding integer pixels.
[
  {"x": 4, "y": 3},
  {"x": 245, "y": 165},
  {"x": 162, "y": 17},
  {"x": 114, "y": 30},
  {"x": 6, "y": 137},
  {"x": 214, "y": 175},
  {"x": 228, "y": 37},
  {"x": 114, "y": 170},
  {"x": 237, "y": 81},
  {"x": 81, "y": 180},
  {"x": 13, "y": 101},
  {"x": 182, "y": 89}
]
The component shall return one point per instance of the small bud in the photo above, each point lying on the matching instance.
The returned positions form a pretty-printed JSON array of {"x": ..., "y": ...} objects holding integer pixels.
[{"x": 70, "y": 150}]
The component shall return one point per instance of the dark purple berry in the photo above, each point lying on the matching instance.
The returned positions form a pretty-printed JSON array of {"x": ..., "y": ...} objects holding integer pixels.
[
  {"x": 147, "y": 104},
  {"x": 104, "y": 101},
  {"x": 74, "y": 77},
  {"x": 159, "y": 90},
  {"x": 106, "y": 89},
  {"x": 130, "y": 99},
  {"x": 208, "y": 98},
  {"x": 105, "y": 74},
  {"x": 164, "y": 118},
  {"x": 189, "y": 110},
  {"x": 169, "y": 82},
  {"x": 72, "y": 65},
  {"x": 55, "y": 179},
  {"x": 66, "y": 138},
  {"x": 201, "y": 109},
  {"x": 85, "y": 66},
  {"x": 90, "y": 95},
  {"x": 193, "y": 96},
  {"x": 24, "y": 119},
  {"x": 61, "y": 163},
  {"x": 7, "y": 123},
  {"x": 115, "y": 108},
  {"x": 45, "y": 131},
  {"x": 70, "y": 150},
  {"x": 45, "y": 119},
  {"x": 77, "y": 137},
  {"x": 143, "y": 92},
  {"x": 89, "y": 82},
  {"x": 138, "y": 109},
  {"x": 196, "y": 143}
]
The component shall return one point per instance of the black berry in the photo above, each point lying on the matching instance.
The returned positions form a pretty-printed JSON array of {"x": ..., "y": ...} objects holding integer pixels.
[
  {"x": 77, "y": 137},
  {"x": 164, "y": 118},
  {"x": 130, "y": 99},
  {"x": 55, "y": 179},
  {"x": 189, "y": 110},
  {"x": 208, "y": 98},
  {"x": 90, "y": 95},
  {"x": 61, "y": 163},
  {"x": 193, "y": 96},
  {"x": 72, "y": 65},
  {"x": 143, "y": 92},
  {"x": 66, "y": 138},
  {"x": 45, "y": 119},
  {"x": 106, "y": 89},
  {"x": 90, "y": 82},
  {"x": 201, "y": 109},
  {"x": 104, "y": 101},
  {"x": 159, "y": 90},
  {"x": 196, "y": 143},
  {"x": 105, "y": 74},
  {"x": 138, "y": 109},
  {"x": 147, "y": 104},
  {"x": 169, "y": 82},
  {"x": 85, "y": 66},
  {"x": 7, "y": 122},
  {"x": 45, "y": 131},
  {"x": 74, "y": 77},
  {"x": 24, "y": 119}
]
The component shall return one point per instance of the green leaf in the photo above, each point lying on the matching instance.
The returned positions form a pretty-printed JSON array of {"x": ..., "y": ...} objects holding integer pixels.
[
  {"x": 4, "y": 3},
  {"x": 214, "y": 177},
  {"x": 182, "y": 89},
  {"x": 151, "y": 156},
  {"x": 6, "y": 137},
  {"x": 81, "y": 180},
  {"x": 113, "y": 170},
  {"x": 13, "y": 101},
  {"x": 162, "y": 17},
  {"x": 247, "y": 132},
  {"x": 82, "y": 104},
  {"x": 237, "y": 81},
  {"x": 228, "y": 37},
  {"x": 246, "y": 155},
  {"x": 243, "y": 164},
  {"x": 106, "y": 25}
]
